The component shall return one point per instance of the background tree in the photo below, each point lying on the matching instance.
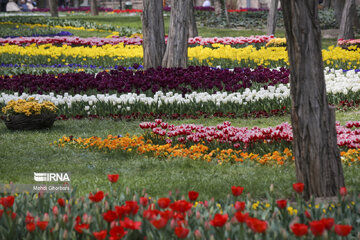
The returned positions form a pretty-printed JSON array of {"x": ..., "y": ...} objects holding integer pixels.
[
  {"x": 347, "y": 20},
  {"x": 93, "y": 8},
  {"x": 153, "y": 33},
  {"x": 317, "y": 157},
  {"x": 177, "y": 43},
  {"x": 53, "y": 8},
  {"x": 193, "y": 31},
  {"x": 271, "y": 21}
]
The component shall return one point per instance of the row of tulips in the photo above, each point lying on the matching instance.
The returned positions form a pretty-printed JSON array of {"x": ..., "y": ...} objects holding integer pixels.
[
  {"x": 117, "y": 215},
  {"x": 239, "y": 137},
  {"x": 126, "y": 55},
  {"x": 209, "y": 150},
  {"x": 95, "y": 41},
  {"x": 243, "y": 83},
  {"x": 250, "y": 100},
  {"x": 181, "y": 80}
]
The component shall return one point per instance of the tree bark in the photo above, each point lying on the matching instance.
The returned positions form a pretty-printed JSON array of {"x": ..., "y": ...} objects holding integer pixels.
[
  {"x": 176, "y": 53},
  {"x": 271, "y": 21},
  {"x": 193, "y": 31},
  {"x": 153, "y": 33},
  {"x": 93, "y": 8},
  {"x": 217, "y": 6},
  {"x": 317, "y": 157},
  {"x": 76, "y": 3},
  {"x": 53, "y": 8},
  {"x": 346, "y": 26},
  {"x": 338, "y": 10},
  {"x": 224, "y": 8}
]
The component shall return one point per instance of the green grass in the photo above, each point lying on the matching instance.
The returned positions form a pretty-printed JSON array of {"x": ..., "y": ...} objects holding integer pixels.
[
  {"x": 24, "y": 152},
  {"x": 135, "y": 22}
]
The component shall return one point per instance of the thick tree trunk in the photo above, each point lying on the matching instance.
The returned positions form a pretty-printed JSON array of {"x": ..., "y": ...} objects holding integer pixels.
[
  {"x": 346, "y": 24},
  {"x": 271, "y": 21},
  {"x": 53, "y": 8},
  {"x": 317, "y": 157},
  {"x": 176, "y": 48},
  {"x": 93, "y": 8},
  {"x": 193, "y": 31},
  {"x": 153, "y": 33},
  {"x": 76, "y": 3},
  {"x": 338, "y": 10}
]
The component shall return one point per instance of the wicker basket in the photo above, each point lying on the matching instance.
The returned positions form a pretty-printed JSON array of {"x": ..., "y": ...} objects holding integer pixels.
[{"x": 23, "y": 122}]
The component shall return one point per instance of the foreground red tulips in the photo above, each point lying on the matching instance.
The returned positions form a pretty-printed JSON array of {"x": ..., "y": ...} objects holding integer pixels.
[{"x": 124, "y": 216}]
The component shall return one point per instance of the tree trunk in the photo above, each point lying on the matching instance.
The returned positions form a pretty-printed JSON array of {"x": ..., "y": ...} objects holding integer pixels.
[
  {"x": 76, "y": 3},
  {"x": 53, "y": 8},
  {"x": 327, "y": 4},
  {"x": 271, "y": 21},
  {"x": 317, "y": 157},
  {"x": 193, "y": 31},
  {"x": 346, "y": 25},
  {"x": 224, "y": 8},
  {"x": 176, "y": 48},
  {"x": 93, "y": 8},
  {"x": 338, "y": 10},
  {"x": 153, "y": 33},
  {"x": 217, "y": 6}
]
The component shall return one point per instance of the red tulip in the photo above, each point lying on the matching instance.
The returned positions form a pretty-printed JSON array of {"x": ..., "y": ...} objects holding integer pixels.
[
  {"x": 113, "y": 177},
  {"x": 110, "y": 216},
  {"x": 61, "y": 202},
  {"x": 30, "y": 227},
  {"x": 193, "y": 195},
  {"x": 181, "y": 232},
  {"x": 7, "y": 201},
  {"x": 1, "y": 212},
  {"x": 181, "y": 206},
  {"x": 117, "y": 232},
  {"x": 130, "y": 224},
  {"x": 299, "y": 229},
  {"x": 241, "y": 217},
  {"x": 281, "y": 203},
  {"x": 317, "y": 228},
  {"x": 29, "y": 219},
  {"x": 100, "y": 235},
  {"x": 143, "y": 201},
  {"x": 328, "y": 222},
  {"x": 159, "y": 223},
  {"x": 298, "y": 187},
  {"x": 42, "y": 225},
  {"x": 307, "y": 214},
  {"x": 163, "y": 202},
  {"x": 13, "y": 216},
  {"x": 134, "y": 207},
  {"x": 343, "y": 230},
  {"x": 343, "y": 191},
  {"x": 237, "y": 190},
  {"x": 97, "y": 197},
  {"x": 219, "y": 220},
  {"x": 80, "y": 227},
  {"x": 55, "y": 210},
  {"x": 239, "y": 206},
  {"x": 256, "y": 225}
]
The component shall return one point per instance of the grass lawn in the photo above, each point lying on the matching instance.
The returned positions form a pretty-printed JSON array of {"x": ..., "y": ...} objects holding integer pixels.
[
  {"x": 135, "y": 22},
  {"x": 23, "y": 153}
]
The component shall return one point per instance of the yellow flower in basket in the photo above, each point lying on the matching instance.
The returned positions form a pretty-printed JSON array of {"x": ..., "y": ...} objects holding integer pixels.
[{"x": 29, "y": 107}]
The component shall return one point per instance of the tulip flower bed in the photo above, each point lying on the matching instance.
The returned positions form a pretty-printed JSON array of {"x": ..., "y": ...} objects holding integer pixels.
[
  {"x": 164, "y": 95},
  {"x": 126, "y": 55},
  {"x": 67, "y": 24},
  {"x": 347, "y": 43},
  {"x": 10, "y": 31},
  {"x": 119, "y": 215},
  {"x": 94, "y": 41},
  {"x": 219, "y": 144}
]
